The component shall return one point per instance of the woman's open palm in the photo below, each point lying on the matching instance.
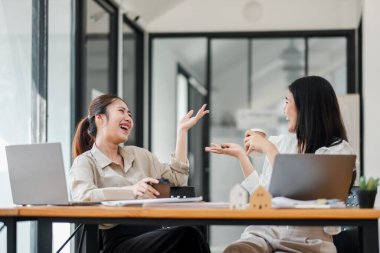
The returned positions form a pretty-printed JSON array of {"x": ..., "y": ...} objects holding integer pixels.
[
  {"x": 231, "y": 149},
  {"x": 188, "y": 122}
]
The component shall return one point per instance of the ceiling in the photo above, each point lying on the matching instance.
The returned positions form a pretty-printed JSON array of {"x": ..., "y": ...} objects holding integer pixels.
[{"x": 243, "y": 15}]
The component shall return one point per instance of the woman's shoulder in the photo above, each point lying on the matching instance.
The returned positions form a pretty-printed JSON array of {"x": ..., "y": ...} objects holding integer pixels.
[
  {"x": 284, "y": 142},
  {"x": 341, "y": 148},
  {"x": 282, "y": 138},
  {"x": 85, "y": 158}
]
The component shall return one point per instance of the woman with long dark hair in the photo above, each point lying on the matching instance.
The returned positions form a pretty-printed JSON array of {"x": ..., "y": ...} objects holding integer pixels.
[
  {"x": 315, "y": 126},
  {"x": 105, "y": 170}
]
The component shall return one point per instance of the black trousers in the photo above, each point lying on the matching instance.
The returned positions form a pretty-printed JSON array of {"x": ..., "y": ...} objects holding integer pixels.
[{"x": 151, "y": 239}]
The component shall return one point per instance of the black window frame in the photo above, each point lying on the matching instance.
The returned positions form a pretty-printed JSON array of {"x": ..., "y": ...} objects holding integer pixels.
[{"x": 40, "y": 43}]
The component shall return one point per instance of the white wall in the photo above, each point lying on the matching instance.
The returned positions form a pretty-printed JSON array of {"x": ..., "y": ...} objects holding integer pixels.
[
  {"x": 371, "y": 87},
  {"x": 247, "y": 15}
]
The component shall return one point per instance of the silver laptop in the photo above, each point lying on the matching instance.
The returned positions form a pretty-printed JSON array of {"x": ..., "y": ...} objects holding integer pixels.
[
  {"x": 37, "y": 174},
  {"x": 310, "y": 176}
]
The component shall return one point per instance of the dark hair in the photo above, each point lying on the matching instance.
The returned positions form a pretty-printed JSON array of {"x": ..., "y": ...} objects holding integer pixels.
[
  {"x": 319, "y": 122},
  {"x": 85, "y": 132}
]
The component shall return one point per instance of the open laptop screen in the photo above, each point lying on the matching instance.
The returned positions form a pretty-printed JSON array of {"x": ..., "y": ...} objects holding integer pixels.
[
  {"x": 311, "y": 176},
  {"x": 37, "y": 174}
]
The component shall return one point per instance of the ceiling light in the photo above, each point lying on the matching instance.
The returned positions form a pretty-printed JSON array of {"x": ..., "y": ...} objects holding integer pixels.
[{"x": 252, "y": 11}]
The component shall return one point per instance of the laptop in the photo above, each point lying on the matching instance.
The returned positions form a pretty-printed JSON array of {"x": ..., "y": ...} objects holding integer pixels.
[
  {"x": 37, "y": 175},
  {"x": 311, "y": 176}
]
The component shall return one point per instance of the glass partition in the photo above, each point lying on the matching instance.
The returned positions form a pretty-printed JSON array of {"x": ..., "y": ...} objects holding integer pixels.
[
  {"x": 229, "y": 93},
  {"x": 97, "y": 51},
  {"x": 59, "y": 94},
  {"x": 129, "y": 76},
  {"x": 328, "y": 58},
  {"x": 276, "y": 63},
  {"x": 167, "y": 55},
  {"x": 15, "y": 96}
]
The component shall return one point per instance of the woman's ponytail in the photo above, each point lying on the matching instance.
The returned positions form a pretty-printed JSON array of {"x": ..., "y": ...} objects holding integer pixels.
[{"x": 82, "y": 141}]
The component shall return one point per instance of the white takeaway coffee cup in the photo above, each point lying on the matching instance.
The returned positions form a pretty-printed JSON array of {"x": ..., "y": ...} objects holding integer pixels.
[{"x": 260, "y": 132}]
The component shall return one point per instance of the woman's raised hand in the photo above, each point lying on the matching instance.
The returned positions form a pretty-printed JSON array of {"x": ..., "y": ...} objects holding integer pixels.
[
  {"x": 231, "y": 149},
  {"x": 143, "y": 189},
  {"x": 188, "y": 122}
]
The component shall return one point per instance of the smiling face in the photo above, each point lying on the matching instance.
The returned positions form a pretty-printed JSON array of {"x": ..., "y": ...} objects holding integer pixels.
[
  {"x": 117, "y": 126},
  {"x": 291, "y": 112}
]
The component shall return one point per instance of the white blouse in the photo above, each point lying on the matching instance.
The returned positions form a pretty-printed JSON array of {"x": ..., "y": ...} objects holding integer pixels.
[{"x": 287, "y": 144}]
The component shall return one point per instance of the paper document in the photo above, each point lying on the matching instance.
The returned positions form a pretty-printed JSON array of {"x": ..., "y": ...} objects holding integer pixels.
[
  {"x": 196, "y": 205},
  {"x": 283, "y": 202},
  {"x": 143, "y": 201}
]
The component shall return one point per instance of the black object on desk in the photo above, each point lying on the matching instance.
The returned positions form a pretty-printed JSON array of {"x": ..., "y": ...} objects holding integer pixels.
[
  {"x": 167, "y": 191},
  {"x": 182, "y": 191}
]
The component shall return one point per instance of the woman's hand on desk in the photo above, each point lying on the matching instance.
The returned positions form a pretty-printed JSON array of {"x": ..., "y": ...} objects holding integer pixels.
[
  {"x": 231, "y": 149},
  {"x": 143, "y": 189}
]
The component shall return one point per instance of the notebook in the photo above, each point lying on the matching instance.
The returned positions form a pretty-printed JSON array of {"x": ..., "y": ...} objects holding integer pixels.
[
  {"x": 37, "y": 175},
  {"x": 311, "y": 176}
]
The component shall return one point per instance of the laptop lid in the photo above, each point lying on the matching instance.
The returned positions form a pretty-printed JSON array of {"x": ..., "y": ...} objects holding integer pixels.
[
  {"x": 311, "y": 176},
  {"x": 37, "y": 174}
]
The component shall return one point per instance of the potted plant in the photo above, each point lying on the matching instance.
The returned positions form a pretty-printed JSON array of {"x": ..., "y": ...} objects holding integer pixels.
[{"x": 367, "y": 192}]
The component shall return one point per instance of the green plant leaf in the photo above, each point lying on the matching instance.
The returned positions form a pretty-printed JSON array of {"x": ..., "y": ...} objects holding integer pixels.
[
  {"x": 371, "y": 184},
  {"x": 362, "y": 183}
]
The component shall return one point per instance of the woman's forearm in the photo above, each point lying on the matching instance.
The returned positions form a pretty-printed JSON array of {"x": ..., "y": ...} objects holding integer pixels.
[
  {"x": 271, "y": 152},
  {"x": 181, "y": 146},
  {"x": 245, "y": 165},
  {"x": 184, "y": 125}
]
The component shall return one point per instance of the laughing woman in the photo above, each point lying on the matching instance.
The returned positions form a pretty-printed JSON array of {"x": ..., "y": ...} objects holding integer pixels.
[{"x": 105, "y": 170}]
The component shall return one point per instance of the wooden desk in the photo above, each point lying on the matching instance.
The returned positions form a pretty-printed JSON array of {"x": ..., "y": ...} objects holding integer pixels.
[
  {"x": 9, "y": 215},
  {"x": 367, "y": 219},
  {"x": 106, "y": 212}
]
